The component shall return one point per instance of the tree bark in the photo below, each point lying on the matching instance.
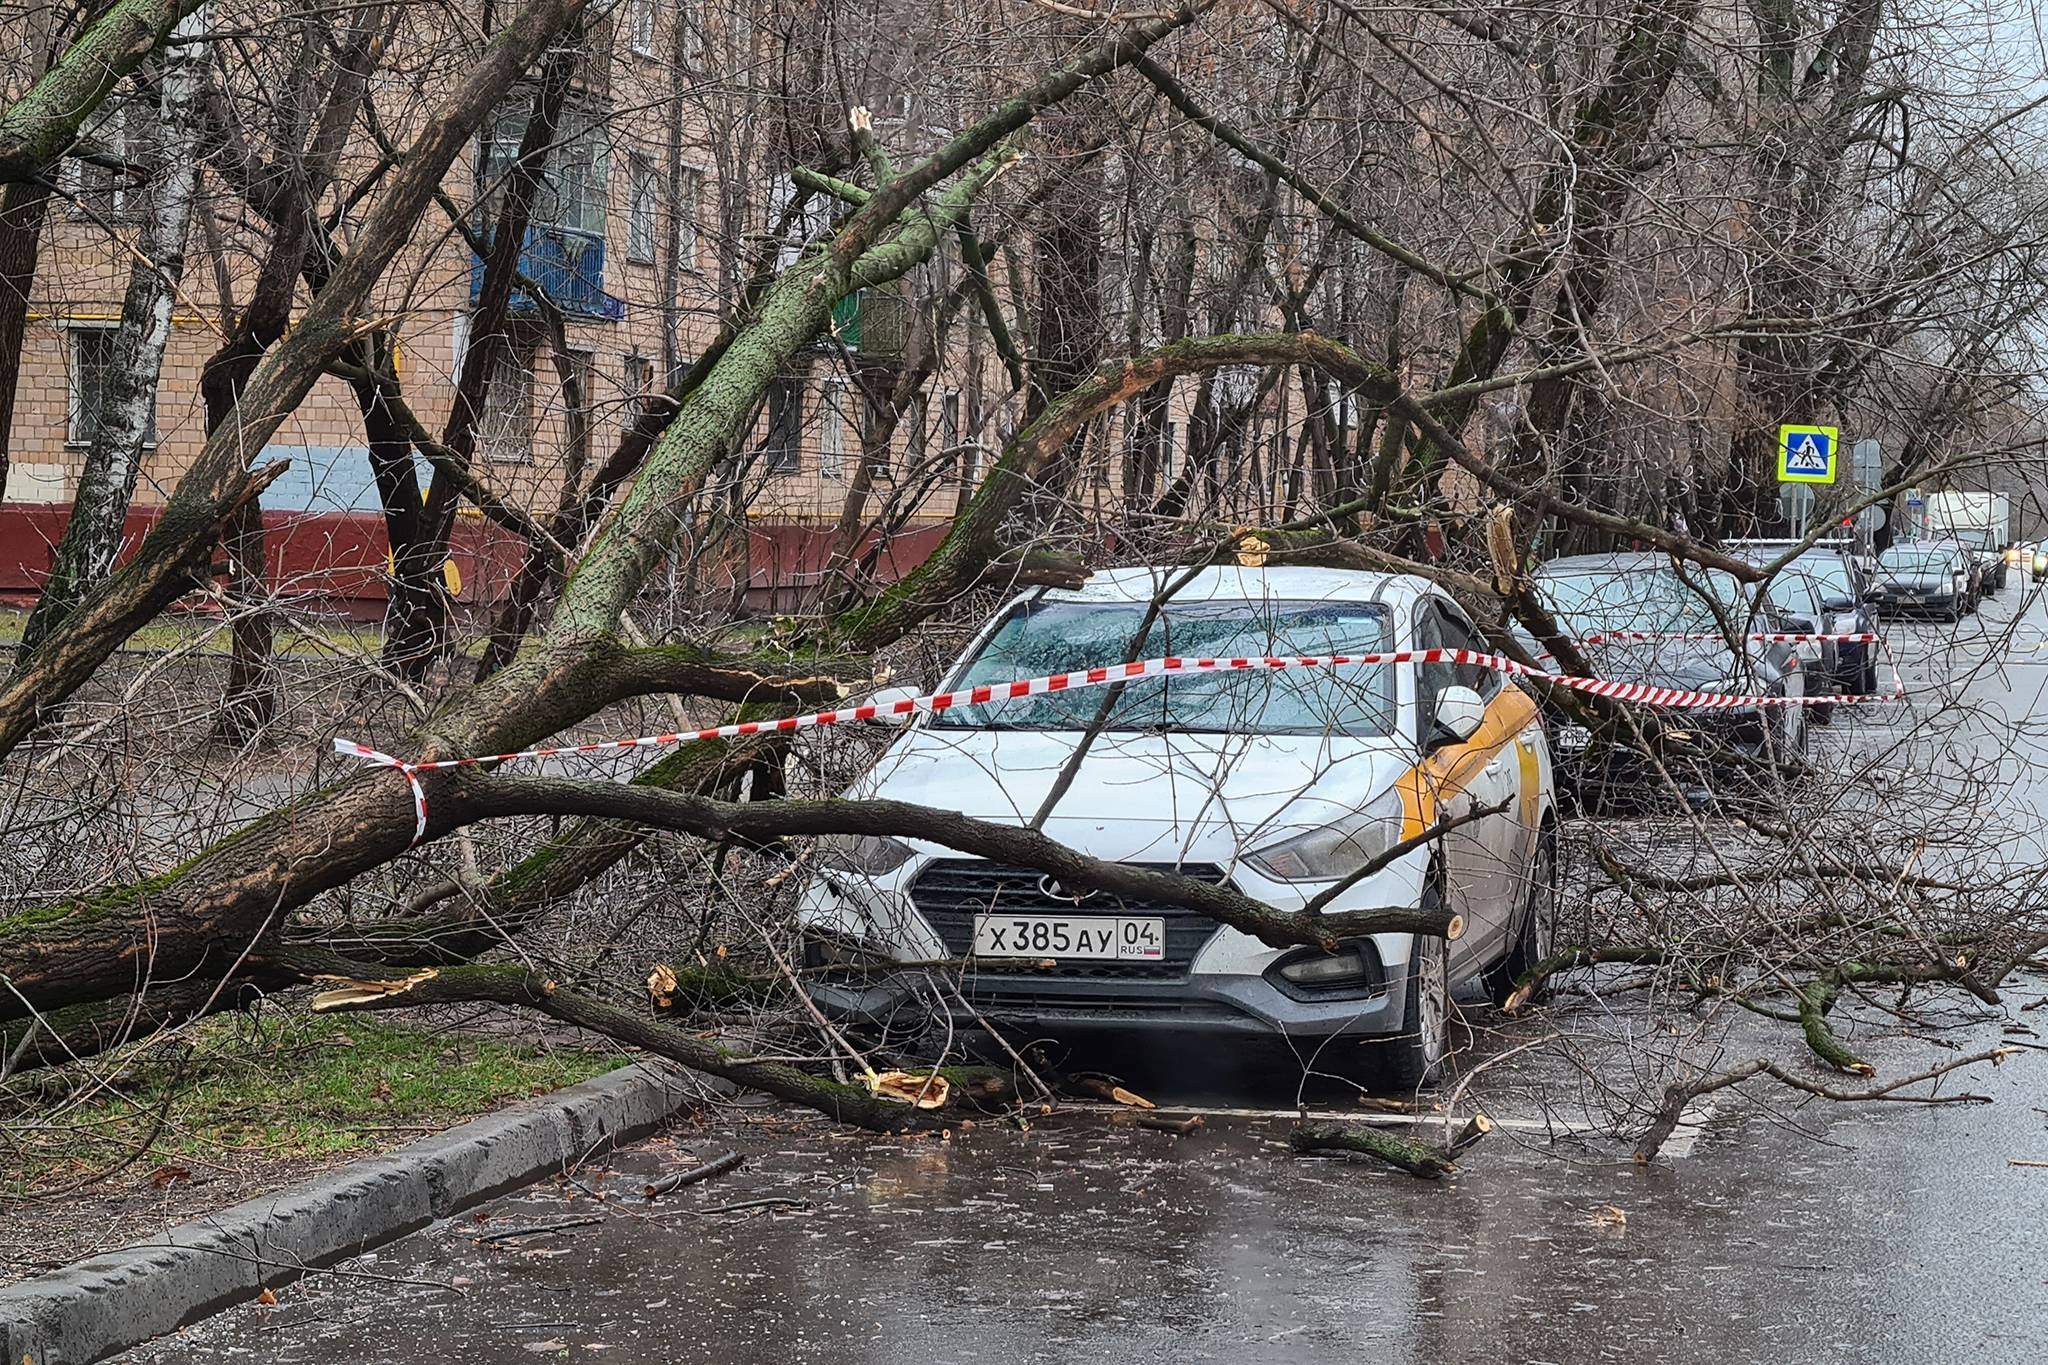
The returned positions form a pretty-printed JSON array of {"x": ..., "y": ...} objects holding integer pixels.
[
  {"x": 113, "y": 461},
  {"x": 219, "y": 477},
  {"x": 416, "y": 626},
  {"x": 40, "y": 126},
  {"x": 24, "y": 207}
]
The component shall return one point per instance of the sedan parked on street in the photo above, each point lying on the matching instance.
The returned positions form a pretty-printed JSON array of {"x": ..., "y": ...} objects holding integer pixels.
[
  {"x": 1645, "y": 620},
  {"x": 1291, "y": 786},
  {"x": 1826, "y": 591},
  {"x": 1920, "y": 577}
]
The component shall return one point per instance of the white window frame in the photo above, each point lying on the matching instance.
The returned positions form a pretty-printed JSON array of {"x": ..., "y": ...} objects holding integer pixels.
[
  {"x": 832, "y": 430},
  {"x": 643, "y": 216},
  {"x": 640, "y": 27},
  {"x": 690, "y": 33},
  {"x": 690, "y": 201},
  {"x": 74, "y": 399},
  {"x": 113, "y": 128},
  {"x": 504, "y": 441}
]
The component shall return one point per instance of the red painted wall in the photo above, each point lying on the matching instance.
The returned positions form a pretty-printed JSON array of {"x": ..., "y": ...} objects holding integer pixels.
[{"x": 339, "y": 558}]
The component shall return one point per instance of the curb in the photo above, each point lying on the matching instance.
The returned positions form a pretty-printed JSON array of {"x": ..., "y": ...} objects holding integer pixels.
[{"x": 118, "y": 1299}]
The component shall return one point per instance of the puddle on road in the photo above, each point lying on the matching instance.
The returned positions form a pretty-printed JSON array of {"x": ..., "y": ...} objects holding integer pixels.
[{"x": 1085, "y": 1239}]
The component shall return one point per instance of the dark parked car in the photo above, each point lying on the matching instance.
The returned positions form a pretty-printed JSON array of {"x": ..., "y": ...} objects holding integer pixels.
[
  {"x": 1923, "y": 577},
  {"x": 1841, "y": 585},
  {"x": 1618, "y": 596}
]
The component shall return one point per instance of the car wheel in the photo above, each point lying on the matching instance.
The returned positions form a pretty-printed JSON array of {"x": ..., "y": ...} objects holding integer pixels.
[
  {"x": 1412, "y": 1058},
  {"x": 1792, "y": 736},
  {"x": 1536, "y": 936},
  {"x": 1868, "y": 682}
]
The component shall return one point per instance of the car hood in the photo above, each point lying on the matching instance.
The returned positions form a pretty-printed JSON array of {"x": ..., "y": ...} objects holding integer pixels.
[
  {"x": 1696, "y": 665},
  {"x": 1149, "y": 798},
  {"x": 1933, "y": 580}
]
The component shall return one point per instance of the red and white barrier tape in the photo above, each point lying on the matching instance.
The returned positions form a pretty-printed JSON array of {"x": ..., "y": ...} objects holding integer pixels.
[
  {"x": 1640, "y": 693},
  {"x": 1781, "y": 637}
]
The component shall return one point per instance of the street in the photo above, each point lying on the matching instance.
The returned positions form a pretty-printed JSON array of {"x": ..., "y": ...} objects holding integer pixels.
[{"x": 1771, "y": 1230}]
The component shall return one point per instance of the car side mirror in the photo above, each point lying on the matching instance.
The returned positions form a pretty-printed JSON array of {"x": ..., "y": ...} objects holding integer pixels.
[
  {"x": 1459, "y": 712},
  {"x": 889, "y": 697}
]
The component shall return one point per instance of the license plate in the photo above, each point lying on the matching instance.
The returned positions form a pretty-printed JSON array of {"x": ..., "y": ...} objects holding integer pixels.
[
  {"x": 1124, "y": 938},
  {"x": 1572, "y": 738}
]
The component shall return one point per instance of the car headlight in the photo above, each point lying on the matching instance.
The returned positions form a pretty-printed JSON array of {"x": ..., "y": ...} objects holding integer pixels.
[
  {"x": 1337, "y": 849},
  {"x": 869, "y": 855}
]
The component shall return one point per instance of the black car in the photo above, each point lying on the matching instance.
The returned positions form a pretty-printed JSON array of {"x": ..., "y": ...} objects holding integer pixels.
[
  {"x": 1826, "y": 591},
  {"x": 1924, "y": 578},
  {"x": 1644, "y": 619}
]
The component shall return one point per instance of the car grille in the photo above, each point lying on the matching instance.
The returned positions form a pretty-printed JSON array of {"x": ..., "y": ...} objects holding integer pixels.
[{"x": 950, "y": 892}]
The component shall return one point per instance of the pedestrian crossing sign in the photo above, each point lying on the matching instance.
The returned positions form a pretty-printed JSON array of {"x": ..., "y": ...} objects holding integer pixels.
[{"x": 1806, "y": 454}]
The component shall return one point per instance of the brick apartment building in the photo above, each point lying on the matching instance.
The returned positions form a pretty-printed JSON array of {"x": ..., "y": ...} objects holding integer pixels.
[{"x": 634, "y": 238}]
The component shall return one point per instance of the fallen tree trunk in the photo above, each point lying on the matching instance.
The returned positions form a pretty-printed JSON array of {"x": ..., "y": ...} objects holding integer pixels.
[{"x": 511, "y": 985}]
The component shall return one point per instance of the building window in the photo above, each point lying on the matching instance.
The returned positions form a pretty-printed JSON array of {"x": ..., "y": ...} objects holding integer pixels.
[
  {"x": 640, "y": 211},
  {"x": 690, "y": 32},
  {"x": 639, "y": 376},
  {"x": 689, "y": 195},
  {"x": 580, "y": 407},
  {"x": 785, "y": 426},
  {"x": 970, "y": 446},
  {"x": 914, "y": 419},
  {"x": 575, "y": 175},
  {"x": 832, "y": 430},
  {"x": 91, "y": 362},
  {"x": 506, "y": 431},
  {"x": 640, "y": 26},
  {"x": 104, "y": 191}
]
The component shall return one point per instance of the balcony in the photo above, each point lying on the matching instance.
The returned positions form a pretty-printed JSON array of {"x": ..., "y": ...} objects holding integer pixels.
[
  {"x": 567, "y": 265},
  {"x": 871, "y": 323}
]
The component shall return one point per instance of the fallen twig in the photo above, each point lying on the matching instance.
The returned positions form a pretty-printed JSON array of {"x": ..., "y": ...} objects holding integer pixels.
[
  {"x": 772, "y": 1202},
  {"x": 669, "y": 1184},
  {"x": 536, "y": 1229},
  {"x": 1679, "y": 1094},
  {"x": 1417, "y": 1158},
  {"x": 1178, "y": 1127}
]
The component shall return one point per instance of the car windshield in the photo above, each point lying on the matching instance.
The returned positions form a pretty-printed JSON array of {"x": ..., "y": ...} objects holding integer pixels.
[
  {"x": 1043, "y": 637},
  {"x": 1977, "y": 538},
  {"x": 1837, "y": 579},
  {"x": 1643, "y": 599},
  {"x": 1915, "y": 559}
]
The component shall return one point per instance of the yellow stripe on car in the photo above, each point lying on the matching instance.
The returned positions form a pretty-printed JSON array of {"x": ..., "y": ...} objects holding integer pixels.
[{"x": 1447, "y": 772}]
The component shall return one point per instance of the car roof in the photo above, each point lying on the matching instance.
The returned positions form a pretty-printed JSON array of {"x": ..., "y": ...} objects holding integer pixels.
[
  {"x": 1239, "y": 582},
  {"x": 1616, "y": 561}
]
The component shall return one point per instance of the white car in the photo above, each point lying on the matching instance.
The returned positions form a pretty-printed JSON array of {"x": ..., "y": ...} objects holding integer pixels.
[{"x": 1280, "y": 783}]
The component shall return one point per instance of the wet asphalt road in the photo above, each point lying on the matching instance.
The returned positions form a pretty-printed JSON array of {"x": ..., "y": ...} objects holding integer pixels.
[{"x": 1772, "y": 1231}]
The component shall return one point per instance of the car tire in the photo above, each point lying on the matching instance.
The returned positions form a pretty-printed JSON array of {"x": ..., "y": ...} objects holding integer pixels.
[
  {"x": 1412, "y": 1058},
  {"x": 1867, "y": 683},
  {"x": 1535, "y": 933},
  {"x": 1791, "y": 741}
]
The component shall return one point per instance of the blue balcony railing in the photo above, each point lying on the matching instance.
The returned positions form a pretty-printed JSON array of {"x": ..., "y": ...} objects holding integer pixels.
[{"x": 568, "y": 266}]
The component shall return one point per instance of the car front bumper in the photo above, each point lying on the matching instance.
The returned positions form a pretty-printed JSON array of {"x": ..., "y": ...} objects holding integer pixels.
[
  {"x": 1217, "y": 981},
  {"x": 1900, "y": 603},
  {"x": 1206, "y": 1003}
]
